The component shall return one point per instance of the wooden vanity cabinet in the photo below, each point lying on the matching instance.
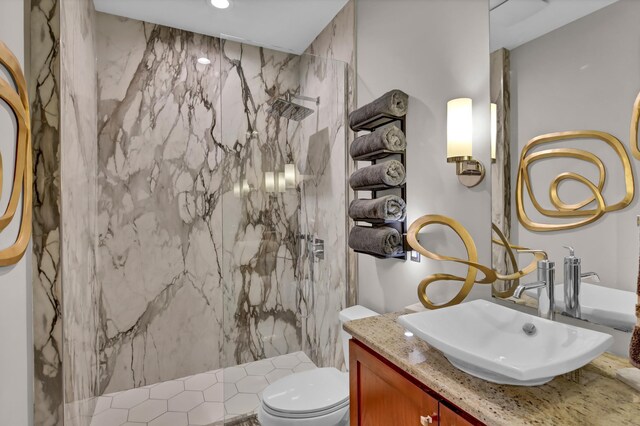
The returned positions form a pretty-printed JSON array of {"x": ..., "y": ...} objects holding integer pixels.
[
  {"x": 451, "y": 418},
  {"x": 383, "y": 395}
]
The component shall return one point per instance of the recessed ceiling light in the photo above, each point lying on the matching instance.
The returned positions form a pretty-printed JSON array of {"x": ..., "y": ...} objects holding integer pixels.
[
  {"x": 220, "y": 4},
  {"x": 204, "y": 61}
]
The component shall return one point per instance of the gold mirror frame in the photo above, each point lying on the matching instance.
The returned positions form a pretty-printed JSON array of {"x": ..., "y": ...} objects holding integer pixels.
[{"x": 23, "y": 176}]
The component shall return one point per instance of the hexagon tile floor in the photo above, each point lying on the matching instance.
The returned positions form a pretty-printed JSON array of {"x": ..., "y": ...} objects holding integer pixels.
[{"x": 201, "y": 399}]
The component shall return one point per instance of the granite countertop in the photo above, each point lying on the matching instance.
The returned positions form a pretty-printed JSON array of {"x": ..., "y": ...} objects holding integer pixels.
[{"x": 590, "y": 396}]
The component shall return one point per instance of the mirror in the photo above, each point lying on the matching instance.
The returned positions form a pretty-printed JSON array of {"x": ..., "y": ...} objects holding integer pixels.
[{"x": 565, "y": 78}]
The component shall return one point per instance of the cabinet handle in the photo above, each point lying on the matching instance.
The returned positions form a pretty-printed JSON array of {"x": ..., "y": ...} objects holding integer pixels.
[{"x": 426, "y": 420}]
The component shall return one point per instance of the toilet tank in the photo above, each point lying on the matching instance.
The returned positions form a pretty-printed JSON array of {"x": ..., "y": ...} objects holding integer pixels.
[{"x": 350, "y": 314}]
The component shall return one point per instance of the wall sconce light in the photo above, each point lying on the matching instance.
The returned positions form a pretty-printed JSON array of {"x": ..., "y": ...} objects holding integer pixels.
[
  {"x": 494, "y": 131},
  {"x": 460, "y": 143}
]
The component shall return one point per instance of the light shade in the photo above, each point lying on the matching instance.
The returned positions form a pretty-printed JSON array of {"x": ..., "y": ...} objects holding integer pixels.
[
  {"x": 281, "y": 182},
  {"x": 459, "y": 127},
  {"x": 494, "y": 130},
  {"x": 290, "y": 175},
  {"x": 269, "y": 182},
  {"x": 220, "y": 4}
]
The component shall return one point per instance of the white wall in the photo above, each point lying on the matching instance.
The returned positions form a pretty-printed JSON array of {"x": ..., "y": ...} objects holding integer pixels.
[
  {"x": 16, "y": 356},
  {"x": 434, "y": 51},
  {"x": 592, "y": 84}
]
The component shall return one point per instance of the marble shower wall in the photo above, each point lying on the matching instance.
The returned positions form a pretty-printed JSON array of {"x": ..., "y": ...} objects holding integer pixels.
[
  {"x": 44, "y": 91},
  {"x": 201, "y": 265},
  {"x": 160, "y": 222},
  {"x": 277, "y": 297},
  {"x": 321, "y": 160},
  {"x": 63, "y": 84},
  {"x": 161, "y": 163},
  {"x": 78, "y": 206},
  {"x": 327, "y": 70},
  {"x": 261, "y": 236}
]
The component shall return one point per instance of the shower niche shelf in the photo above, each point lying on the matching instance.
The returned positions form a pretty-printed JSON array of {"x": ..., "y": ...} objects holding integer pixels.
[{"x": 381, "y": 190}]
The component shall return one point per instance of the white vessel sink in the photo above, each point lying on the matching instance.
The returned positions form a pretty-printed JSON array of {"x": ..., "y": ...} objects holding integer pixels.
[
  {"x": 487, "y": 340},
  {"x": 601, "y": 305}
]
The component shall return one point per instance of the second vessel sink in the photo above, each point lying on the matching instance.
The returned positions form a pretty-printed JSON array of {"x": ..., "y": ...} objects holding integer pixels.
[
  {"x": 505, "y": 346},
  {"x": 601, "y": 305}
]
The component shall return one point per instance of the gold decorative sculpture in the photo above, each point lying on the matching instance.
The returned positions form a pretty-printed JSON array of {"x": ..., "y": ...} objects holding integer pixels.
[
  {"x": 576, "y": 210},
  {"x": 472, "y": 262},
  {"x": 635, "y": 119},
  {"x": 23, "y": 175},
  {"x": 515, "y": 276}
]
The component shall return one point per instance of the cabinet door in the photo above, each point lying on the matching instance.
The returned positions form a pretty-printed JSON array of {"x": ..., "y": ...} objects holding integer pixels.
[
  {"x": 448, "y": 417},
  {"x": 381, "y": 396}
]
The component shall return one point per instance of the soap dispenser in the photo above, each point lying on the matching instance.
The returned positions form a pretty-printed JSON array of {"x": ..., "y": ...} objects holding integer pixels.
[{"x": 572, "y": 278}]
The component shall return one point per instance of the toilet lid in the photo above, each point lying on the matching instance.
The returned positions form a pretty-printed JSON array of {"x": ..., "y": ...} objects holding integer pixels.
[{"x": 313, "y": 391}]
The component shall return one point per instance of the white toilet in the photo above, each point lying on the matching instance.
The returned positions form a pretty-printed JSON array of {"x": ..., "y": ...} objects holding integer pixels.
[{"x": 318, "y": 397}]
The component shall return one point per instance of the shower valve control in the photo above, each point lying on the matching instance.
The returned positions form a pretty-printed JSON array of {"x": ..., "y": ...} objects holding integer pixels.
[{"x": 317, "y": 248}]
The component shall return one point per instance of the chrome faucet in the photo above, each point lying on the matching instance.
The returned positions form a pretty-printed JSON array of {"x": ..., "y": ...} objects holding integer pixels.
[
  {"x": 572, "y": 280},
  {"x": 546, "y": 281},
  {"x": 572, "y": 266},
  {"x": 591, "y": 275}
]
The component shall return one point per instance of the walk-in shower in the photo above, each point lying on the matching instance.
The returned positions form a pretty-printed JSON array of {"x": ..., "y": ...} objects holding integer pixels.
[{"x": 208, "y": 292}]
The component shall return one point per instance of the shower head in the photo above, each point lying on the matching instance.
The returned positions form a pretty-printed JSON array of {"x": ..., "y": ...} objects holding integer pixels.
[{"x": 287, "y": 109}]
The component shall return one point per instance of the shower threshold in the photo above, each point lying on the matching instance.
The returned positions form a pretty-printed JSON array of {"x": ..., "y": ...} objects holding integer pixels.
[{"x": 228, "y": 396}]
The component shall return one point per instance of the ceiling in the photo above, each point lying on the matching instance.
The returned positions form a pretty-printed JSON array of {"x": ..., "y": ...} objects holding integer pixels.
[
  {"x": 515, "y": 22},
  {"x": 285, "y": 25}
]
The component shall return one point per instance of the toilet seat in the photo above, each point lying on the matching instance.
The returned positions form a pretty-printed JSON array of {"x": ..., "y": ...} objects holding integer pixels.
[
  {"x": 318, "y": 397},
  {"x": 337, "y": 418},
  {"x": 310, "y": 394},
  {"x": 305, "y": 415}
]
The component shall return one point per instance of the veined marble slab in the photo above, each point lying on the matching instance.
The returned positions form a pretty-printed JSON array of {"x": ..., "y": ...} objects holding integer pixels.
[
  {"x": 187, "y": 223},
  {"x": 64, "y": 103},
  {"x": 44, "y": 92},
  {"x": 261, "y": 241},
  {"x": 78, "y": 204},
  {"x": 160, "y": 163},
  {"x": 325, "y": 193},
  {"x": 167, "y": 165}
]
